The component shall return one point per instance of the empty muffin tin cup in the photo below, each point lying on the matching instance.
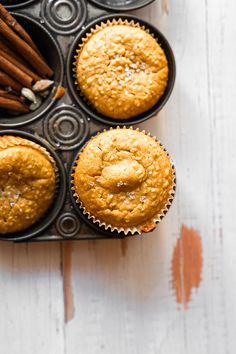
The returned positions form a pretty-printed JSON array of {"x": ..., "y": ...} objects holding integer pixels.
[
  {"x": 121, "y": 5},
  {"x": 60, "y": 193},
  {"x": 86, "y": 106},
  {"x": 52, "y": 53}
]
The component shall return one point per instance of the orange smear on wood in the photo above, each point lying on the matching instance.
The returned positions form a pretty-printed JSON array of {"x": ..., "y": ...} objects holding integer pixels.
[
  {"x": 186, "y": 264},
  {"x": 67, "y": 286},
  {"x": 124, "y": 246},
  {"x": 166, "y": 6}
]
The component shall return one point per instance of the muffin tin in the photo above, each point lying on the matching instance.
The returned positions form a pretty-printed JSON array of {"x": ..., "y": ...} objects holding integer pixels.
[{"x": 64, "y": 126}]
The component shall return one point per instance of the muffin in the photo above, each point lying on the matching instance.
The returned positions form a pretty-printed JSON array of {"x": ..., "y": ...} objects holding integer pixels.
[
  {"x": 121, "y": 69},
  {"x": 124, "y": 179},
  {"x": 27, "y": 183}
]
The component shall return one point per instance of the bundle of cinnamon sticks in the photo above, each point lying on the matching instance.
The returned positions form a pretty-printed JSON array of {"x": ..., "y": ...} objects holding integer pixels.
[{"x": 21, "y": 63}]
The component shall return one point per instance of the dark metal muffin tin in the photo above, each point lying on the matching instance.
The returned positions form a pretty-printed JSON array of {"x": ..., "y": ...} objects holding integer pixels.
[
  {"x": 16, "y": 4},
  {"x": 62, "y": 127}
]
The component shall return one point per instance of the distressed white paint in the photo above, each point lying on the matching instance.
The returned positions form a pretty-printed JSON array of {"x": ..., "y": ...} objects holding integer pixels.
[
  {"x": 31, "y": 302},
  {"x": 125, "y": 304}
]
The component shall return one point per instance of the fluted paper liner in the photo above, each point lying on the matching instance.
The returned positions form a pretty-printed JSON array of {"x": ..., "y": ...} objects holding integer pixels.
[
  {"x": 96, "y": 29},
  {"x": 135, "y": 229}
]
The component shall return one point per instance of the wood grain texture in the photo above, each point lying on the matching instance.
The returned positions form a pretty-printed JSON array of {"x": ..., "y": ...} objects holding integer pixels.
[
  {"x": 31, "y": 293},
  {"x": 123, "y": 300}
]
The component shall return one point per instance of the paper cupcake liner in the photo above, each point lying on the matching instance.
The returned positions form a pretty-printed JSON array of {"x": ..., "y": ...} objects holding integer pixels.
[
  {"x": 94, "y": 30},
  {"x": 148, "y": 226}
]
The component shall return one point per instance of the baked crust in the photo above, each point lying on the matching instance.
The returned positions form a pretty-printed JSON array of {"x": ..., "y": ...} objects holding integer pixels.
[
  {"x": 27, "y": 183},
  {"x": 122, "y": 71}
]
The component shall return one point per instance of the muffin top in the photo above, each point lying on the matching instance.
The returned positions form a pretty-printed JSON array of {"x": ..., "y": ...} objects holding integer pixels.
[
  {"x": 27, "y": 183},
  {"x": 124, "y": 178},
  {"x": 122, "y": 71}
]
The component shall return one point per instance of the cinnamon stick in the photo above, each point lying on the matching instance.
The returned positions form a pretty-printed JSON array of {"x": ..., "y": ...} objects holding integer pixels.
[
  {"x": 19, "y": 65},
  {"x": 29, "y": 54},
  {"x": 11, "y": 96},
  {"x": 15, "y": 72},
  {"x": 11, "y": 21},
  {"x": 13, "y": 105},
  {"x": 7, "y": 81},
  {"x": 5, "y": 46}
]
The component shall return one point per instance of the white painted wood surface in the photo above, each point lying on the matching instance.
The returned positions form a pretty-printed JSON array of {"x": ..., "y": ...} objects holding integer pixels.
[{"x": 121, "y": 298}]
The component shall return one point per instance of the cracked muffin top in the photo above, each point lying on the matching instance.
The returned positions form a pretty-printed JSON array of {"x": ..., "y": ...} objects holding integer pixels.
[
  {"x": 122, "y": 71},
  {"x": 27, "y": 183},
  {"x": 124, "y": 178}
]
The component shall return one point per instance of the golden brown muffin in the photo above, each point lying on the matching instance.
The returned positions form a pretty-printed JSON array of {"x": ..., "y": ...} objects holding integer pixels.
[
  {"x": 27, "y": 183},
  {"x": 122, "y": 71},
  {"x": 124, "y": 178}
]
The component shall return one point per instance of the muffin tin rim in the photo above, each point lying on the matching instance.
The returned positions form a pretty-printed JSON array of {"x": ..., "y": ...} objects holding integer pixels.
[
  {"x": 19, "y": 6},
  {"x": 124, "y": 7}
]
